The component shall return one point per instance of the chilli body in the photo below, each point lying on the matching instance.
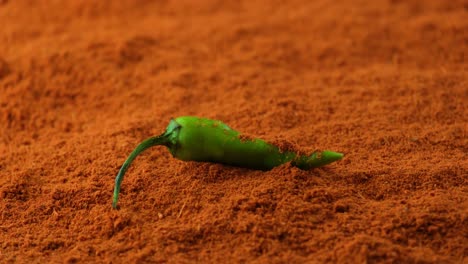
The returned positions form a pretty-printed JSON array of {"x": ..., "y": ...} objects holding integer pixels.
[
  {"x": 201, "y": 139},
  {"x": 191, "y": 138}
]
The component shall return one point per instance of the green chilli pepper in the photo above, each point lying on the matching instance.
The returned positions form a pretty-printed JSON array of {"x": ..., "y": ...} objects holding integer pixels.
[{"x": 191, "y": 138}]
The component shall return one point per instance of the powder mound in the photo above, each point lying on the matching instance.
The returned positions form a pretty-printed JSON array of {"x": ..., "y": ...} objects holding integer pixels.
[
  {"x": 79, "y": 86},
  {"x": 289, "y": 146},
  {"x": 246, "y": 137},
  {"x": 282, "y": 144}
]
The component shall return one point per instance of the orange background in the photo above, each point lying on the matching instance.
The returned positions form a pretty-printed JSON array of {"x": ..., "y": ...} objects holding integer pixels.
[{"x": 83, "y": 82}]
